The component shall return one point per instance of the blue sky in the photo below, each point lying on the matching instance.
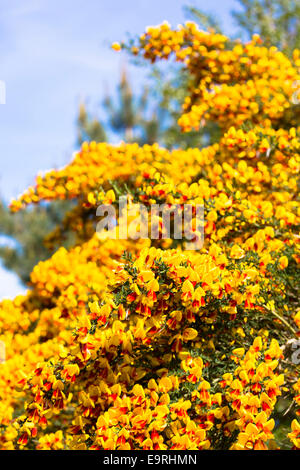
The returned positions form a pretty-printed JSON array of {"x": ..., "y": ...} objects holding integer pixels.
[{"x": 55, "y": 53}]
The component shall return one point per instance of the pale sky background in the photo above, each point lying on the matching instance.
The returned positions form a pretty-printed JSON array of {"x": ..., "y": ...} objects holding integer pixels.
[{"x": 55, "y": 53}]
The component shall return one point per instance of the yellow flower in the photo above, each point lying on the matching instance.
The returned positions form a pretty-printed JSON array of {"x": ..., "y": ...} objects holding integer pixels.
[
  {"x": 237, "y": 252},
  {"x": 116, "y": 46},
  {"x": 190, "y": 334}
]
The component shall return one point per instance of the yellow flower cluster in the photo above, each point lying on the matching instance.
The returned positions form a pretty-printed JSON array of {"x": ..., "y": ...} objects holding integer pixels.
[
  {"x": 231, "y": 82},
  {"x": 143, "y": 344},
  {"x": 139, "y": 332},
  {"x": 254, "y": 392}
]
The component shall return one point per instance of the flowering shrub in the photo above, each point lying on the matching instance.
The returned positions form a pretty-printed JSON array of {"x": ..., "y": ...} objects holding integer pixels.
[{"x": 142, "y": 344}]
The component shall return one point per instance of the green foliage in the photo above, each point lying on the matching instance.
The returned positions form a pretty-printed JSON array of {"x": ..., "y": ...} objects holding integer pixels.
[
  {"x": 27, "y": 229},
  {"x": 204, "y": 19},
  {"x": 133, "y": 118},
  {"x": 89, "y": 128}
]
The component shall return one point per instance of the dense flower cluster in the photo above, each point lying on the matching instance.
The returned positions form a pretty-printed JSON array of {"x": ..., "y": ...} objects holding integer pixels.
[
  {"x": 143, "y": 344},
  {"x": 231, "y": 83}
]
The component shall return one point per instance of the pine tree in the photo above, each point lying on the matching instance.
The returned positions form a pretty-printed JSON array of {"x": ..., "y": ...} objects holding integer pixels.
[
  {"x": 131, "y": 117},
  {"x": 26, "y": 231},
  {"x": 276, "y": 21}
]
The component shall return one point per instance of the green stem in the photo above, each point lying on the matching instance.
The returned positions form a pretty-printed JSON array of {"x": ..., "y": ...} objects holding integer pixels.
[{"x": 282, "y": 320}]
